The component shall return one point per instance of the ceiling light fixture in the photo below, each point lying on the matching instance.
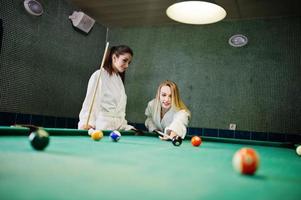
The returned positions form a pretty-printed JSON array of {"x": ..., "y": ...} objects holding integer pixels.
[{"x": 196, "y": 12}]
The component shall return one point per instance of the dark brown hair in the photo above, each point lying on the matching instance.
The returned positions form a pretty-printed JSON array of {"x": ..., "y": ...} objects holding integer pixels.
[{"x": 117, "y": 50}]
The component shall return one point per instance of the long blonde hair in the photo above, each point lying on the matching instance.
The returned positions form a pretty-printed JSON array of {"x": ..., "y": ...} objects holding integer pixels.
[{"x": 176, "y": 101}]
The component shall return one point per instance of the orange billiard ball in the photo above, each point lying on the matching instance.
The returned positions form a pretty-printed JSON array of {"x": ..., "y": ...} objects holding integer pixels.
[
  {"x": 196, "y": 141},
  {"x": 246, "y": 161},
  {"x": 97, "y": 135}
]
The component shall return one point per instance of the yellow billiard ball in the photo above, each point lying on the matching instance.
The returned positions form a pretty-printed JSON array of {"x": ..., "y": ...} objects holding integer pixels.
[{"x": 97, "y": 135}]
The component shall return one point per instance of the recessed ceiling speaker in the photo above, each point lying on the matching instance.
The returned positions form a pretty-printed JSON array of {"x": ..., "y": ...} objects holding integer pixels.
[
  {"x": 82, "y": 21},
  {"x": 238, "y": 40},
  {"x": 33, "y": 7}
]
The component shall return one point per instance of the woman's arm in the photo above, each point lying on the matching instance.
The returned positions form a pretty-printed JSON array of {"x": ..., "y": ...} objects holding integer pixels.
[
  {"x": 179, "y": 124},
  {"x": 84, "y": 113},
  {"x": 149, "y": 122}
]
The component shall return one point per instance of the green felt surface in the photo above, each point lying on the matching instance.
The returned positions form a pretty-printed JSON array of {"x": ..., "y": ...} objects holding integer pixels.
[{"x": 141, "y": 167}]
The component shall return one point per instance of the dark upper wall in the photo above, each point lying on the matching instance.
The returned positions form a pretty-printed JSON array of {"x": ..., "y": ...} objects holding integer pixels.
[
  {"x": 45, "y": 65},
  {"x": 45, "y": 62},
  {"x": 256, "y": 87}
]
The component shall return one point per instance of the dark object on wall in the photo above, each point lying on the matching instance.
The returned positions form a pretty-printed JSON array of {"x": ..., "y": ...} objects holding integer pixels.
[
  {"x": 1, "y": 34},
  {"x": 33, "y": 7}
]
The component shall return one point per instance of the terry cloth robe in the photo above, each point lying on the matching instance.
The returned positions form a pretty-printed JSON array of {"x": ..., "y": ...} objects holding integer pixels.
[
  {"x": 174, "y": 120},
  {"x": 108, "y": 112}
]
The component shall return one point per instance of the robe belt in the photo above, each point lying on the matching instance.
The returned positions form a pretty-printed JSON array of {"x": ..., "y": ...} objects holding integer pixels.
[{"x": 112, "y": 114}]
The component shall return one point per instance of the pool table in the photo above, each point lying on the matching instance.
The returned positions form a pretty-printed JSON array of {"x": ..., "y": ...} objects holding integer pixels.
[{"x": 73, "y": 166}]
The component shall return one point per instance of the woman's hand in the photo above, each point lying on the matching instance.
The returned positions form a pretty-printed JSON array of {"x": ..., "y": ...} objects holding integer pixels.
[
  {"x": 157, "y": 132},
  {"x": 138, "y": 132},
  {"x": 87, "y": 127},
  {"x": 172, "y": 134},
  {"x": 164, "y": 138}
]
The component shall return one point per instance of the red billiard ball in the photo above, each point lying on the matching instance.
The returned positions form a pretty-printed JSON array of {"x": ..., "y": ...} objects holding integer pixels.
[
  {"x": 196, "y": 141},
  {"x": 246, "y": 161}
]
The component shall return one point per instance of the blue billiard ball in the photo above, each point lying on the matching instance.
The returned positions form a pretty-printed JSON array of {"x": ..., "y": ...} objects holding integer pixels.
[{"x": 115, "y": 136}]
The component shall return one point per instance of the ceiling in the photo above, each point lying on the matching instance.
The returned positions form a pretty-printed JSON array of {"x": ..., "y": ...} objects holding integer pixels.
[{"x": 125, "y": 13}]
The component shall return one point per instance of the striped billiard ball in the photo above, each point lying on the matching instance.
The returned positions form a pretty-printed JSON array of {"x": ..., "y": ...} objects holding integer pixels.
[
  {"x": 115, "y": 136},
  {"x": 246, "y": 161}
]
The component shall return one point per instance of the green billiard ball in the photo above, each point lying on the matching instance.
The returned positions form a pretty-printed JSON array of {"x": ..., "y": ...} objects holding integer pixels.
[{"x": 39, "y": 139}]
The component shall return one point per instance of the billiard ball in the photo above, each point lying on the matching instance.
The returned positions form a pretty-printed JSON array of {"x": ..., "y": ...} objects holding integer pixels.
[
  {"x": 115, "y": 136},
  {"x": 90, "y": 131},
  {"x": 298, "y": 150},
  {"x": 176, "y": 140},
  {"x": 97, "y": 135},
  {"x": 39, "y": 139},
  {"x": 196, "y": 141},
  {"x": 246, "y": 161}
]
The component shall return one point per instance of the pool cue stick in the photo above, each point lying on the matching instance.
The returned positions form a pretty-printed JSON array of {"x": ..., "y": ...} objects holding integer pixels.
[
  {"x": 31, "y": 127},
  {"x": 176, "y": 140},
  {"x": 93, "y": 99},
  {"x": 163, "y": 134}
]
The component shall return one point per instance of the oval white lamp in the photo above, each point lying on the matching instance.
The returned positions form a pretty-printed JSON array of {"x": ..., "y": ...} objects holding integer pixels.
[{"x": 196, "y": 12}]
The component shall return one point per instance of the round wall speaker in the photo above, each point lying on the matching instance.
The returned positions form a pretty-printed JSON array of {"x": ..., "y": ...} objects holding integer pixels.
[
  {"x": 33, "y": 7},
  {"x": 238, "y": 40}
]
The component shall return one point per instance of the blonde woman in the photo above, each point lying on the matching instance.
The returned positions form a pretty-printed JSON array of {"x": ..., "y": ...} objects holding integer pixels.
[{"x": 167, "y": 112}]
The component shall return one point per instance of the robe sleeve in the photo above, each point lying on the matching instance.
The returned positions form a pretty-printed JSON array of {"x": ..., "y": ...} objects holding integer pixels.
[
  {"x": 179, "y": 123},
  {"x": 149, "y": 122},
  {"x": 84, "y": 113},
  {"x": 125, "y": 126}
]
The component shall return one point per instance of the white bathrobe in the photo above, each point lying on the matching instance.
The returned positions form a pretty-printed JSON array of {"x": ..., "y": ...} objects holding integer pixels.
[
  {"x": 108, "y": 112},
  {"x": 173, "y": 120}
]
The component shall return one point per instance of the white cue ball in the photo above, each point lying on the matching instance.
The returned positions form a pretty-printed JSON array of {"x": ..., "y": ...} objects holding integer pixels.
[
  {"x": 90, "y": 131},
  {"x": 298, "y": 150}
]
